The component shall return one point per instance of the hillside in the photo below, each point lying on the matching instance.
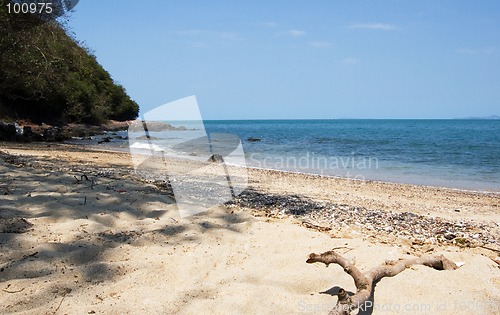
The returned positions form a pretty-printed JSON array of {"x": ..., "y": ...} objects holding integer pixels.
[{"x": 47, "y": 76}]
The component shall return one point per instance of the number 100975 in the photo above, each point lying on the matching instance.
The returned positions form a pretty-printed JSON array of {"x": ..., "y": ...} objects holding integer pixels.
[{"x": 33, "y": 8}]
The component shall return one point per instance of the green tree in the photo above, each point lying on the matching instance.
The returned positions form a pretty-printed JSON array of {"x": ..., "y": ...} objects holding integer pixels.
[{"x": 47, "y": 76}]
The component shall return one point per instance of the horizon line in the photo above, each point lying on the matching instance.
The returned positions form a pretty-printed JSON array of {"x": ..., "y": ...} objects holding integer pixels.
[{"x": 495, "y": 117}]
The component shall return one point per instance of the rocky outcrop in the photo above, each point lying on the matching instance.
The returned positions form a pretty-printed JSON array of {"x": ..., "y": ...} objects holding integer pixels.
[
  {"x": 33, "y": 133},
  {"x": 154, "y": 126},
  {"x": 14, "y": 133}
]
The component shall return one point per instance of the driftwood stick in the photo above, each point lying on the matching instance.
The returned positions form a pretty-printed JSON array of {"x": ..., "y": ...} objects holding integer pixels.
[
  {"x": 15, "y": 291},
  {"x": 316, "y": 227},
  {"x": 364, "y": 281}
]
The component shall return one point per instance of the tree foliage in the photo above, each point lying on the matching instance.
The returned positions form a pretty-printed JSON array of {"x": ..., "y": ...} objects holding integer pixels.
[{"x": 47, "y": 76}]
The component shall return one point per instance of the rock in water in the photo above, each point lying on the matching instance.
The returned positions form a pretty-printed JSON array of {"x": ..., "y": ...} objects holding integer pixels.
[{"x": 254, "y": 139}]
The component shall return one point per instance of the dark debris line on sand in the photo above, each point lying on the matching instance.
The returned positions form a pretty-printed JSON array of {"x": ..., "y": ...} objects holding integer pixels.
[
  {"x": 414, "y": 227},
  {"x": 418, "y": 228}
]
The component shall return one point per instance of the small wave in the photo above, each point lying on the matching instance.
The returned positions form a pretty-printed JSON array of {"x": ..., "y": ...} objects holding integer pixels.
[{"x": 146, "y": 146}]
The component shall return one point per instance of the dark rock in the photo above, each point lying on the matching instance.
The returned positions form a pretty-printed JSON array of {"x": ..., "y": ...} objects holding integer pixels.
[
  {"x": 216, "y": 158},
  {"x": 254, "y": 139},
  {"x": 53, "y": 134},
  {"x": 105, "y": 139},
  {"x": 35, "y": 137},
  {"x": 449, "y": 236},
  {"x": 8, "y": 132},
  {"x": 27, "y": 131}
]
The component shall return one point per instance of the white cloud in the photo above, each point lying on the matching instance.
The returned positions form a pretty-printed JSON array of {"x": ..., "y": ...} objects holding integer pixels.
[
  {"x": 296, "y": 33},
  {"x": 350, "y": 61},
  {"x": 188, "y": 32},
  {"x": 476, "y": 51},
  {"x": 199, "y": 45},
  {"x": 269, "y": 24},
  {"x": 226, "y": 36},
  {"x": 374, "y": 26},
  {"x": 320, "y": 44},
  {"x": 467, "y": 51},
  {"x": 202, "y": 38}
]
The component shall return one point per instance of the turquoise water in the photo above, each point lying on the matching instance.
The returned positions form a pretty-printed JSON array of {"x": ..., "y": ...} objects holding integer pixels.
[{"x": 463, "y": 154}]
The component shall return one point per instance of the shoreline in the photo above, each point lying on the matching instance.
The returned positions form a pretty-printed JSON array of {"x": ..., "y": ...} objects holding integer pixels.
[
  {"x": 448, "y": 203},
  {"x": 96, "y": 147},
  {"x": 463, "y": 185},
  {"x": 43, "y": 146}
]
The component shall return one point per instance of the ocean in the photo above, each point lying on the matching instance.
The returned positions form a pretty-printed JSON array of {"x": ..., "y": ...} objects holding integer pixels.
[{"x": 461, "y": 154}]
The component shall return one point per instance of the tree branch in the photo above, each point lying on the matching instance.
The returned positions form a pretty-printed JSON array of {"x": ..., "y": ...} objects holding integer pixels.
[{"x": 364, "y": 281}]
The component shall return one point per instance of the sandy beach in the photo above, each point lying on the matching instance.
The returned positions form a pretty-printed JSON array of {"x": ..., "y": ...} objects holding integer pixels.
[{"x": 81, "y": 233}]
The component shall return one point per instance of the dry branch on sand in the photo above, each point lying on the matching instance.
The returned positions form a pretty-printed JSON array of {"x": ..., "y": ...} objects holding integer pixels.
[{"x": 365, "y": 281}]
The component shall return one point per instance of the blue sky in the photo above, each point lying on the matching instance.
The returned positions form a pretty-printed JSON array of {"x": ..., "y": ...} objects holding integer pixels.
[{"x": 301, "y": 59}]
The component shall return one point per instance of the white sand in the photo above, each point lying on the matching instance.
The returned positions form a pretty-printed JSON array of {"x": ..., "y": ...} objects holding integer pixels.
[{"x": 124, "y": 250}]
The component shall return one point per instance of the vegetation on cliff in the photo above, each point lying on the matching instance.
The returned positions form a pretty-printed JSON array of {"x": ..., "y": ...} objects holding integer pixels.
[{"x": 47, "y": 76}]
